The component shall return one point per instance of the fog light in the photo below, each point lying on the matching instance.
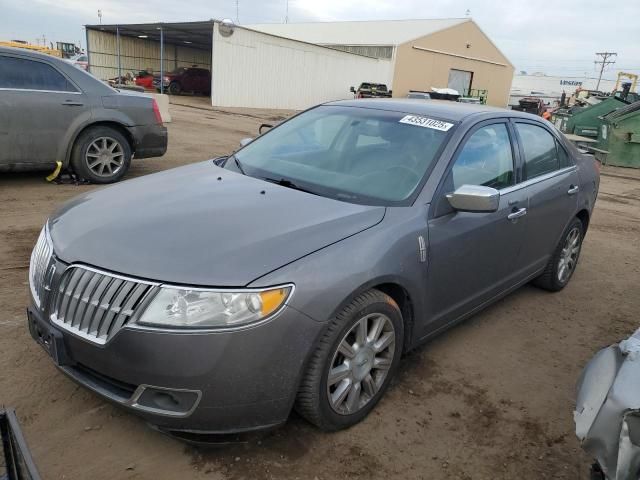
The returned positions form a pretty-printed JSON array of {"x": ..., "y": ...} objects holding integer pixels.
[{"x": 166, "y": 401}]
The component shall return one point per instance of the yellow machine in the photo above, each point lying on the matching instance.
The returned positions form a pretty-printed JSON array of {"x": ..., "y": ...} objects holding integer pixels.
[
  {"x": 37, "y": 48},
  {"x": 631, "y": 76}
]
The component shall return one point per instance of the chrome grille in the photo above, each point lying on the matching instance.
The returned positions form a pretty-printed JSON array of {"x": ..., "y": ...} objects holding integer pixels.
[
  {"x": 39, "y": 268},
  {"x": 94, "y": 304}
]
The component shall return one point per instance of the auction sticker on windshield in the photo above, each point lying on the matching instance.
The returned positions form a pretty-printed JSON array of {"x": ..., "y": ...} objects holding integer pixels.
[{"x": 426, "y": 122}]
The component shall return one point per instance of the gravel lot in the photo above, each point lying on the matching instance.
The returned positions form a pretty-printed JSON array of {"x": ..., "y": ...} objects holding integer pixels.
[{"x": 489, "y": 399}]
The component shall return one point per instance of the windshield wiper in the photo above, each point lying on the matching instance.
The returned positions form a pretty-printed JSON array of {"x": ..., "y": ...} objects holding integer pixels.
[
  {"x": 238, "y": 164},
  {"x": 287, "y": 183}
]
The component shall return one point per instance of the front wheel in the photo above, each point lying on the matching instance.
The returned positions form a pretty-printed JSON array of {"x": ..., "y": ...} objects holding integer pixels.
[
  {"x": 174, "y": 88},
  {"x": 564, "y": 260},
  {"x": 353, "y": 363}
]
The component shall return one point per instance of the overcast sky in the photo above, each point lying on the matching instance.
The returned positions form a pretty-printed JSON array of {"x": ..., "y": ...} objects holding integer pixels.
[{"x": 559, "y": 37}]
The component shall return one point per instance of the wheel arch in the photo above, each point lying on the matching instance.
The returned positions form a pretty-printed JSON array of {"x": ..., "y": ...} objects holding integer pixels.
[
  {"x": 583, "y": 216},
  {"x": 399, "y": 293},
  {"x": 103, "y": 123}
]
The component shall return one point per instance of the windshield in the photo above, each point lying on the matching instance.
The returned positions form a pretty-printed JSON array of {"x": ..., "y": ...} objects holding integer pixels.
[{"x": 354, "y": 154}]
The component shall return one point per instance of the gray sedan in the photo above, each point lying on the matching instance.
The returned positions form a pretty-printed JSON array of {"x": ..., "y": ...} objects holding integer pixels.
[
  {"x": 296, "y": 272},
  {"x": 51, "y": 111}
]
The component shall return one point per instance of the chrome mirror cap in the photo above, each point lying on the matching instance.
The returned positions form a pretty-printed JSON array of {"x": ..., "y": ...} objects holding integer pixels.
[
  {"x": 246, "y": 141},
  {"x": 475, "y": 198}
]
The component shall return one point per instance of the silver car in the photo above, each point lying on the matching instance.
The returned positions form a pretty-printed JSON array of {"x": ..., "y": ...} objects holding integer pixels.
[
  {"x": 296, "y": 272},
  {"x": 52, "y": 112}
]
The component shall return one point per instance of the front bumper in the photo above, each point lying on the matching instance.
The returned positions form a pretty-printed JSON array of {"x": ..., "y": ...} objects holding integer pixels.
[
  {"x": 149, "y": 140},
  {"x": 232, "y": 381}
]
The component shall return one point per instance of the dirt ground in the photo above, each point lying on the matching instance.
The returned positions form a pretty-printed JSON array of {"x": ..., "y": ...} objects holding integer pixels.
[{"x": 489, "y": 399}]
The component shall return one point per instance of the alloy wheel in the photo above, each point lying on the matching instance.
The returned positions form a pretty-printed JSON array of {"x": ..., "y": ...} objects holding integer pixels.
[
  {"x": 569, "y": 255},
  {"x": 105, "y": 156},
  {"x": 361, "y": 363}
]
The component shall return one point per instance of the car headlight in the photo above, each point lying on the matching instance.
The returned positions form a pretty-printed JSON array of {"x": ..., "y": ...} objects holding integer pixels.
[{"x": 196, "y": 308}]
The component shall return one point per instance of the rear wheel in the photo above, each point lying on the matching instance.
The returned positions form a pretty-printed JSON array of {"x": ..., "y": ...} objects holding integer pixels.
[
  {"x": 564, "y": 260},
  {"x": 101, "y": 155},
  {"x": 353, "y": 363}
]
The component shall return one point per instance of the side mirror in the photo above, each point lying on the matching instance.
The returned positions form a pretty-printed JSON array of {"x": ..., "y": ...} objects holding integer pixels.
[
  {"x": 390, "y": 92},
  {"x": 475, "y": 198},
  {"x": 219, "y": 161},
  {"x": 352, "y": 89},
  {"x": 246, "y": 141},
  {"x": 264, "y": 125}
]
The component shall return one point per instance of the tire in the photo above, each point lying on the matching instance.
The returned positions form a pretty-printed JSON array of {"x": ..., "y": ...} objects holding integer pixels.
[
  {"x": 174, "y": 88},
  {"x": 106, "y": 146},
  {"x": 370, "y": 370},
  {"x": 554, "y": 278}
]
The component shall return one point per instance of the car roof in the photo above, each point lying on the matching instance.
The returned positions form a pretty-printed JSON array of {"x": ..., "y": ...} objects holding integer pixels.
[
  {"x": 438, "y": 108},
  {"x": 27, "y": 53}
]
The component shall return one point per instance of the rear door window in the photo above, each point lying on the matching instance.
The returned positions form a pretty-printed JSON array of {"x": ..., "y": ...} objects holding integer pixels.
[
  {"x": 24, "y": 74},
  {"x": 540, "y": 150}
]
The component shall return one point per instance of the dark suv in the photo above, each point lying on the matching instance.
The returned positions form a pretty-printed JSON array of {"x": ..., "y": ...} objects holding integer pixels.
[
  {"x": 195, "y": 80},
  {"x": 51, "y": 111}
]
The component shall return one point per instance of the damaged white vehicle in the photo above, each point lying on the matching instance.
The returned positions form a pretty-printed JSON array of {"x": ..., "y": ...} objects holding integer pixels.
[{"x": 607, "y": 412}]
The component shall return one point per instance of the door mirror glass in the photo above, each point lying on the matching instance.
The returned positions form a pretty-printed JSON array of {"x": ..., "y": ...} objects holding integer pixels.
[
  {"x": 246, "y": 141},
  {"x": 352, "y": 89},
  {"x": 475, "y": 198}
]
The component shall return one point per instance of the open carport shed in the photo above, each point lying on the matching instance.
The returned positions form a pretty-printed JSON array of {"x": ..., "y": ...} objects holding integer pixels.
[
  {"x": 249, "y": 68},
  {"x": 117, "y": 50}
]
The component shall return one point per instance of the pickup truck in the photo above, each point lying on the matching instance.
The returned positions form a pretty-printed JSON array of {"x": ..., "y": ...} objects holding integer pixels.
[{"x": 371, "y": 90}]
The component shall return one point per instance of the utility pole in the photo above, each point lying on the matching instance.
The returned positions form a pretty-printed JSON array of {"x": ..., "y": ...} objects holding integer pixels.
[
  {"x": 604, "y": 62},
  {"x": 286, "y": 15},
  {"x": 100, "y": 16},
  {"x": 237, "y": 12}
]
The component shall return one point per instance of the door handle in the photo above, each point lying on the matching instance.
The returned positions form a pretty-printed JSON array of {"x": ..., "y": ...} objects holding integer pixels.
[
  {"x": 521, "y": 212},
  {"x": 70, "y": 103},
  {"x": 573, "y": 189}
]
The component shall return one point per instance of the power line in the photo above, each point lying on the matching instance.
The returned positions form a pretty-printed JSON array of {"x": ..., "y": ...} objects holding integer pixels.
[{"x": 604, "y": 62}]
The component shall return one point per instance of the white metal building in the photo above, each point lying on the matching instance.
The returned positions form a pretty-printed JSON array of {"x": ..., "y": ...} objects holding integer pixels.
[
  {"x": 255, "y": 69},
  {"x": 550, "y": 87}
]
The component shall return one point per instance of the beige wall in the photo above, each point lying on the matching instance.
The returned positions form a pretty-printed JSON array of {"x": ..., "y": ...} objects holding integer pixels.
[{"x": 420, "y": 70}]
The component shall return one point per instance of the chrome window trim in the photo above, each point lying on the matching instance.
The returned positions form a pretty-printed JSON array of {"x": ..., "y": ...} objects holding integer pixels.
[
  {"x": 538, "y": 179},
  {"x": 34, "y": 90}
]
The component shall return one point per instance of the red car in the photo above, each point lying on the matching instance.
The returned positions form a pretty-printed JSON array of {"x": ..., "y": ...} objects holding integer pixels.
[
  {"x": 144, "y": 79},
  {"x": 185, "y": 79}
]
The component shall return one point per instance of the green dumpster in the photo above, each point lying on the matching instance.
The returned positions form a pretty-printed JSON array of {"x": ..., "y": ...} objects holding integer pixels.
[
  {"x": 586, "y": 121},
  {"x": 619, "y": 135}
]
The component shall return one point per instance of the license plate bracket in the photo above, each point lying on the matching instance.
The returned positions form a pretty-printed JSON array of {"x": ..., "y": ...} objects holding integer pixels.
[{"x": 49, "y": 338}]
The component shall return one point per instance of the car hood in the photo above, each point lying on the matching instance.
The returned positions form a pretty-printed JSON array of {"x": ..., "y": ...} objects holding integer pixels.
[{"x": 201, "y": 225}]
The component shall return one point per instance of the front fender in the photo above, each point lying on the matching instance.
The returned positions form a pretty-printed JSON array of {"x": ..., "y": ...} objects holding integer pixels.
[{"x": 329, "y": 279}]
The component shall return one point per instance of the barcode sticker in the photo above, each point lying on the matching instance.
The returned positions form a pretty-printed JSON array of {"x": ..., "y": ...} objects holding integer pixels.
[{"x": 426, "y": 122}]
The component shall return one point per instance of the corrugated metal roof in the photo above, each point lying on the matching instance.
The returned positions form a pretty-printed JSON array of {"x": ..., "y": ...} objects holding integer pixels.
[
  {"x": 621, "y": 112},
  {"x": 383, "y": 32}
]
